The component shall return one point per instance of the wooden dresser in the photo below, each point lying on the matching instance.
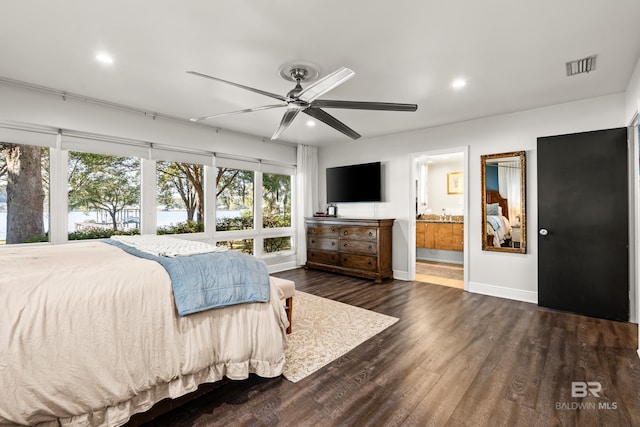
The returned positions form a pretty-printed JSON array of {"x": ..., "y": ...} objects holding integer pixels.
[{"x": 354, "y": 246}]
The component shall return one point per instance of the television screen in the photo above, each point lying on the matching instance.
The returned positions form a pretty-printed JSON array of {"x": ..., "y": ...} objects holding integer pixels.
[{"x": 355, "y": 183}]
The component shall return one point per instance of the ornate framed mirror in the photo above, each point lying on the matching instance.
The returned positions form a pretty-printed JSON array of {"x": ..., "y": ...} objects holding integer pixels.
[{"x": 504, "y": 219}]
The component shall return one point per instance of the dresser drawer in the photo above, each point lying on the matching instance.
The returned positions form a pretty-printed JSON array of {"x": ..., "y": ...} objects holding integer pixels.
[
  {"x": 359, "y": 262},
  {"x": 358, "y": 246},
  {"x": 359, "y": 233},
  {"x": 323, "y": 257},
  {"x": 322, "y": 230},
  {"x": 326, "y": 243}
]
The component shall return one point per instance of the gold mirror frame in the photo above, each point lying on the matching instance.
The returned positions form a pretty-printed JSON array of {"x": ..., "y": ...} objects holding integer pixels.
[{"x": 489, "y": 196}]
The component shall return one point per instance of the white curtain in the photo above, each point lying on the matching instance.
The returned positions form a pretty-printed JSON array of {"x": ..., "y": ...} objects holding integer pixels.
[
  {"x": 306, "y": 195},
  {"x": 509, "y": 187}
]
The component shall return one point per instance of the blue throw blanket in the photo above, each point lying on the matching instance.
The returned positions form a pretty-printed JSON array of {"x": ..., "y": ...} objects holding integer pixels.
[
  {"x": 211, "y": 280},
  {"x": 494, "y": 221}
]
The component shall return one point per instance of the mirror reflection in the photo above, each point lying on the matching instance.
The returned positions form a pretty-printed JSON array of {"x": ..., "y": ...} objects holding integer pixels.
[{"x": 503, "y": 202}]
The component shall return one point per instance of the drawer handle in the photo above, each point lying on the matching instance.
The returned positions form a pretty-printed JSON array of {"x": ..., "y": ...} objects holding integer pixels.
[
  {"x": 369, "y": 263},
  {"x": 333, "y": 230},
  {"x": 333, "y": 243},
  {"x": 345, "y": 232},
  {"x": 313, "y": 241},
  {"x": 345, "y": 245},
  {"x": 370, "y": 234},
  {"x": 370, "y": 247}
]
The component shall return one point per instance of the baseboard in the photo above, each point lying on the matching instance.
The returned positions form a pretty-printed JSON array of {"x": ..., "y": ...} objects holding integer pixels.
[
  {"x": 400, "y": 275},
  {"x": 284, "y": 266},
  {"x": 502, "y": 292}
]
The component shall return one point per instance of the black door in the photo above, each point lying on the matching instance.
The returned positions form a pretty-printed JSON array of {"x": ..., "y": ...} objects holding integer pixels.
[{"x": 583, "y": 222}]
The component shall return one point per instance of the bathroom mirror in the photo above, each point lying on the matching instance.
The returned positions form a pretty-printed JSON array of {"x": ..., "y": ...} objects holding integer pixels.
[{"x": 504, "y": 219}]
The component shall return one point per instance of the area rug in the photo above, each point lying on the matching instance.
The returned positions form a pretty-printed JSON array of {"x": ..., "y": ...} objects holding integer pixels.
[{"x": 324, "y": 330}]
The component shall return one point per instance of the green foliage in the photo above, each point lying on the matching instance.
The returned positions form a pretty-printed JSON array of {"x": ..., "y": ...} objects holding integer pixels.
[
  {"x": 242, "y": 245},
  {"x": 104, "y": 183},
  {"x": 100, "y": 233},
  {"x": 184, "y": 181},
  {"x": 234, "y": 188},
  {"x": 37, "y": 239},
  {"x": 276, "y": 244},
  {"x": 182, "y": 228},
  {"x": 276, "y": 209},
  {"x": 276, "y": 221},
  {"x": 242, "y": 222}
]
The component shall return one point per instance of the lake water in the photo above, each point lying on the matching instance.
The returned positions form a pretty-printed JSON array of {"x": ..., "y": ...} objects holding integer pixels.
[{"x": 164, "y": 218}]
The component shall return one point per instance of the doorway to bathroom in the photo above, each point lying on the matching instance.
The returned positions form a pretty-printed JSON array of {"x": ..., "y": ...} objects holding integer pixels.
[{"x": 439, "y": 181}]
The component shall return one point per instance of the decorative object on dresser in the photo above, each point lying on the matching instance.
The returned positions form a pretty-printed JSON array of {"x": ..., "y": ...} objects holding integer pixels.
[{"x": 354, "y": 246}]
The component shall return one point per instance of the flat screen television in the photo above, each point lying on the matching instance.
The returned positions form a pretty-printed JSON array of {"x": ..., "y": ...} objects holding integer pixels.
[{"x": 354, "y": 183}]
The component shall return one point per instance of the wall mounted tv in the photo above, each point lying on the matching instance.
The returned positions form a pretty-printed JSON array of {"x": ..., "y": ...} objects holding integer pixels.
[{"x": 354, "y": 183}]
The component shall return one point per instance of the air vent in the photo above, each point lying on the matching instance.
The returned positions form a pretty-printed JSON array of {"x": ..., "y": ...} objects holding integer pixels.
[{"x": 580, "y": 66}]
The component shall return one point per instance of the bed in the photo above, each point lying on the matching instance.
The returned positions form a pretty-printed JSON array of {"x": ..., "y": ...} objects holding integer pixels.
[
  {"x": 498, "y": 226},
  {"x": 90, "y": 334}
]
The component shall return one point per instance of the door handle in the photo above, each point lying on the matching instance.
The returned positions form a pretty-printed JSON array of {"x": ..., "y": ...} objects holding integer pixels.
[{"x": 543, "y": 231}]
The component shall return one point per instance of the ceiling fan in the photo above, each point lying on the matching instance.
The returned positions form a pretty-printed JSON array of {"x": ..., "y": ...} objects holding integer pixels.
[{"x": 306, "y": 100}]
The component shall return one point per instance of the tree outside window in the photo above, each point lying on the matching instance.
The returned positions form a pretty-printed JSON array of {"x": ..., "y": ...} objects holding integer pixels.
[
  {"x": 24, "y": 189},
  {"x": 234, "y": 199},
  {"x": 180, "y": 196},
  {"x": 104, "y": 195}
]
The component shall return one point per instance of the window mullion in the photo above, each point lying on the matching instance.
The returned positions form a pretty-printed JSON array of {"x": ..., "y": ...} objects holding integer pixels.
[
  {"x": 58, "y": 194},
  {"x": 257, "y": 213}
]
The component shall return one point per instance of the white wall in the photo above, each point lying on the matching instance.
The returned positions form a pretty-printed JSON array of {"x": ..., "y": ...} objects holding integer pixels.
[
  {"x": 35, "y": 107},
  {"x": 495, "y": 273},
  {"x": 439, "y": 199},
  {"x": 632, "y": 99}
]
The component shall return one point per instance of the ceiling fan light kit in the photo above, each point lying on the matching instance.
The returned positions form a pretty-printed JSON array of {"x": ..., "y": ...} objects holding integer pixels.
[{"x": 306, "y": 100}]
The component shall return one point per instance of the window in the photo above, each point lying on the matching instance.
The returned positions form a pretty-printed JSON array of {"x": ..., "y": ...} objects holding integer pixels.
[
  {"x": 24, "y": 193},
  {"x": 234, "y": 199},
  {"x": 240, "y": 245},
  {"x": 104, "y": 195},
  {"x": 180, "y": 197},
  {"x": 276, "y": 244},
  {"x": 276, "y": 200}
]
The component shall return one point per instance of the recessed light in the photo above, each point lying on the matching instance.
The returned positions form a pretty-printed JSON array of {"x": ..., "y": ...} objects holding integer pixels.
[
  {"x": 311, "y": 123},
  {"x": 458, "y": 83},
  {"x": 105, "y": 58}
]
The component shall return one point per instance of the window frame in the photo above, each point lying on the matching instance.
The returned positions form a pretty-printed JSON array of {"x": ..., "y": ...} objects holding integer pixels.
[{"x": 61, "y": 142}]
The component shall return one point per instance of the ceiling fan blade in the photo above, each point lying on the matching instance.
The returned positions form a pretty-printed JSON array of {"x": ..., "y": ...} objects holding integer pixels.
[
  {"x": 328, "y": 119},
  {"x": 360, "y": 105},
  {"x": 261, "y": 92},
  {"x": 288, "y": 117},
  {"x": 325, "y": 84},
  {"x": 248, "y": 110}
]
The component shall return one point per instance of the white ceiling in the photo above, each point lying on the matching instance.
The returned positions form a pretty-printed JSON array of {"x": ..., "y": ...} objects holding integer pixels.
[{"x": 512, "y": 54}]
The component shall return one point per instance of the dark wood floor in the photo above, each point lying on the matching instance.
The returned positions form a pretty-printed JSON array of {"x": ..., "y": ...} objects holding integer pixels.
[{"x": 454, "y": 358}]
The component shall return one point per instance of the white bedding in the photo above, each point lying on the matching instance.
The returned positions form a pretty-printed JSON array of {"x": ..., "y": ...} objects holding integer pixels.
[
  {"x": 90, "y": 335},
  {"x": 503, "y": 233}
]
